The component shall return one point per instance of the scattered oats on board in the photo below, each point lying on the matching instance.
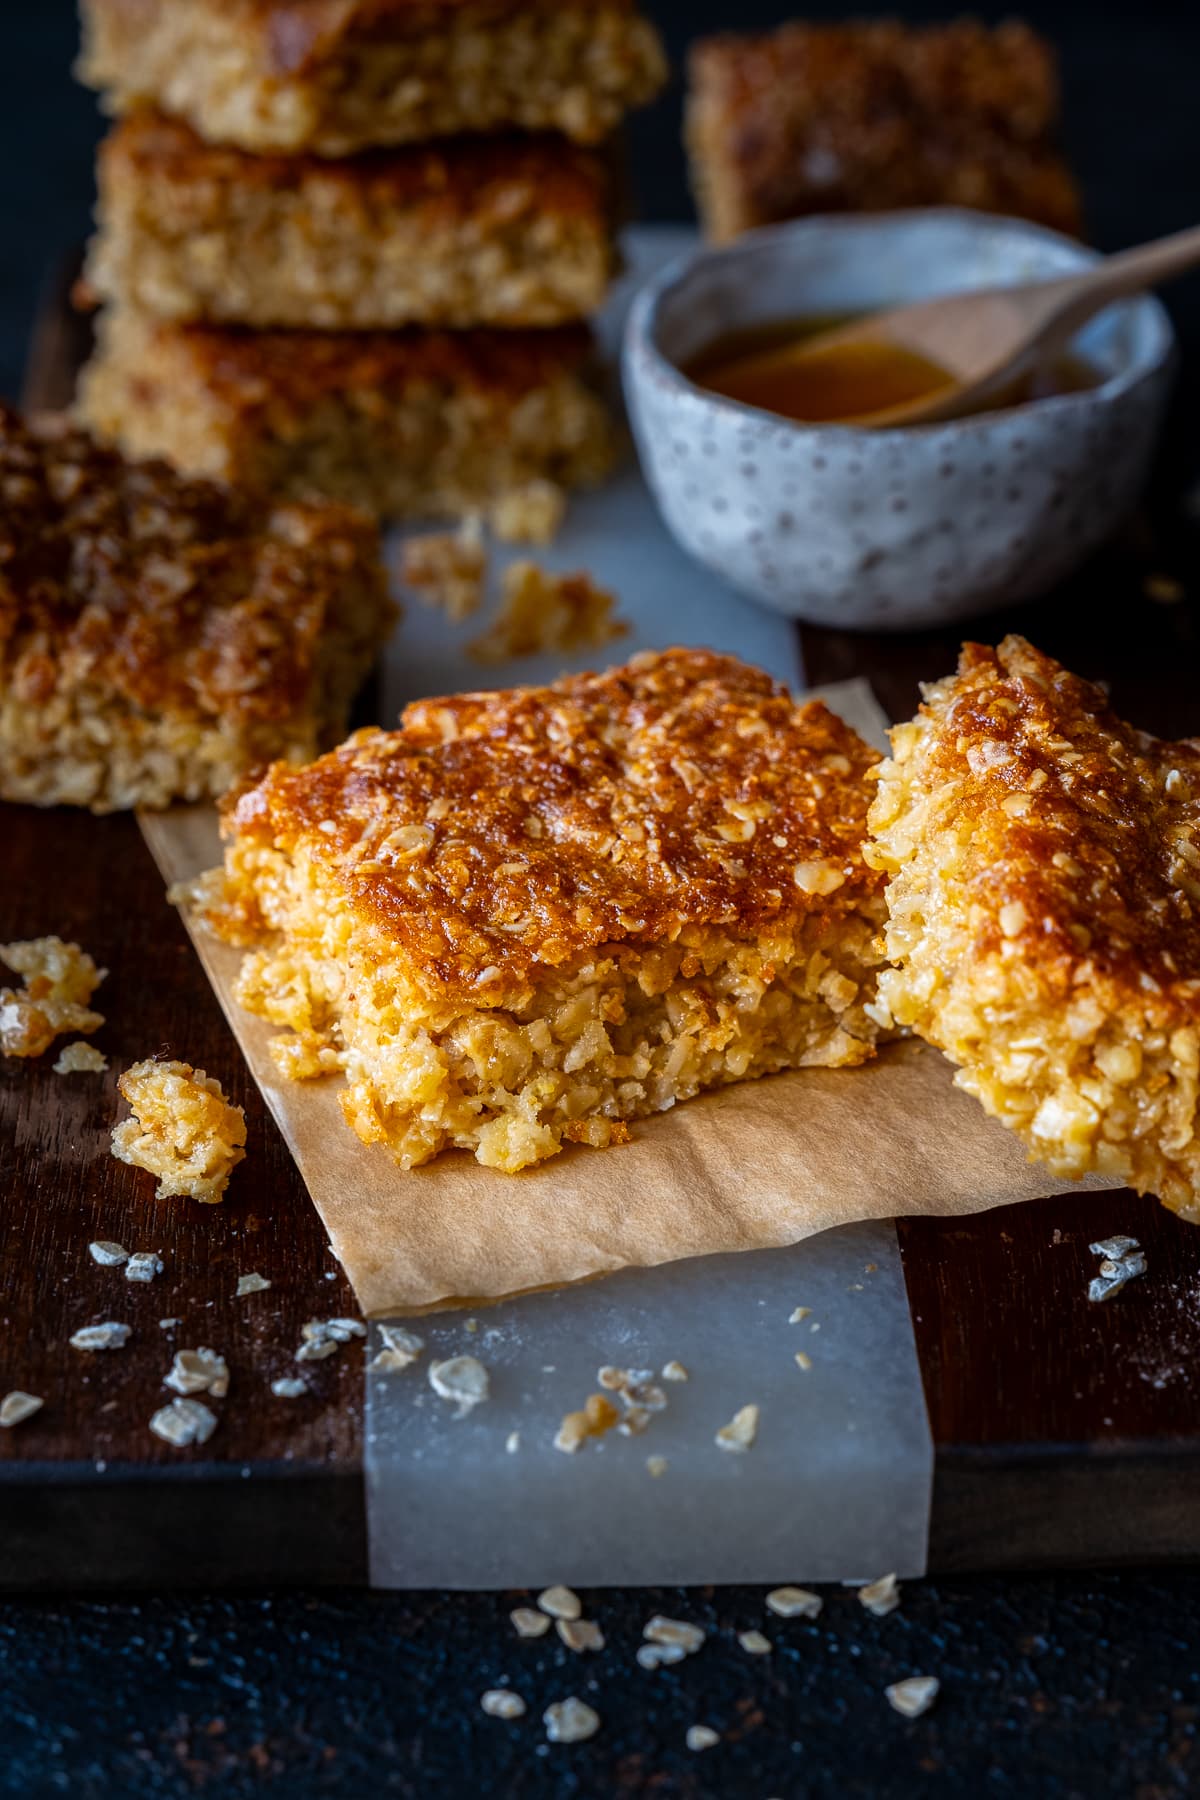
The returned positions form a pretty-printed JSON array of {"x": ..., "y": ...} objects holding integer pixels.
[
  {"x": 658, "y": 1656},
  {"x": 502, "y": 1703},
  {"x": 794, "y": 1603},
  {"x": 674, "y": 1371},
  {"x": 80, "y": 1059},
  {"x": 108, "y": 1254},
  {"x": 462, "y": 1379},
  {"x": 17, "y": 1406},
  {"x": 529, "y": 1624},
  {"x": 569, "y": 1721},
  {"x": 254, "y": 1283},
  {"x": 321, "y": 1337},
  {"x": 880, "y": 1597},
  {"x": 560, "y": 1603},
  {"x": 289, "y": 1387},
  {"x": 1123, "y": 1259},
  {"x": 799, "y": 1315},
  {"x": 109, "y": 1336},
  {"x": 676, "y": 1634},
  {"x": 199, "y": 1372},
  {"x": 803, "y": 1360},
  {"x": 702, "y": 1737},
  {"x": 512, "y": 1442},
  {"x": 741, "y": 1431},
  {"x": 657, "y": 1465},
  {"x": 580, "y": 1634},
  {"x": 58, "y": 980},
  {"x": 913, "y": 1696},
  {"x": 183, "y": 1423},
  {"x": 754, "y": 1643},
  {"x": 143, "y": 1265},
  {"x": 401, "y": 1349}
]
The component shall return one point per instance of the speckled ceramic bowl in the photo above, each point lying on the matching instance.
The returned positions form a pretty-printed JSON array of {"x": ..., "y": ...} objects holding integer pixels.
[{"x": 878, "y": 529}]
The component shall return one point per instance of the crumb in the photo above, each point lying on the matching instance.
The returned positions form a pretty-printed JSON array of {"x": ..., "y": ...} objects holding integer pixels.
[
  {"x": 16, "y": 1406},
  {"x": 675, "y": 1634},
  {"x": 183, "y": 1423},
  {"x": 109, "y": 1336},
  {"x": 529, "y": 1624},
  {"x": 741, "y": 1431},
  {"x": 794, "y": 1603},
  {"x": 801, "y": 1313},
  {"x": 289, "y": 1387},
  {"x": 674, "y": 1371},
  {"x": 251, "y": 1284},
  {"x": 702, "y": 1737},
  {"x": 598, "y": 1416},
  {"x": 199, "y": 1372},
  {"x": 143, "y": 1265},
  {"x": 880, "y": 1597},
  {"x": 321, "y": 1337},
  {"x": 168, "y": 1324},
  {"x": 183, "y": 1130},
  {"x": 803, "y": 1360},
  {"x": 463, "y": 1379},
  {"x": 569, "y": 1721},
  {"x": 401, "y": 1349},
  {"x": 657, "y": 1466},
  {"x": 447, "y": 569},
  {"x": 502, "y": 1703},
  {"x": 754, "y": 1643},
  {"x": 659, "y": 1656},
  {"x": 80, "y": 1059},
  {"x": 579, "y": 1634},
  {"x": 108, "y": 1254},
  {"x": 1123, "y": 1259},
  {"x": 913, "y": 1696},
  {"x": 532, "y": 514},
  {"x": 542, "y": 611},
  {"x": 560, "y": 1603},
  {"x": 59, "y": 980}
]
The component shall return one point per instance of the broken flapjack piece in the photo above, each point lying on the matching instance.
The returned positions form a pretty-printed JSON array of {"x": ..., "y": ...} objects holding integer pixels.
[
  {"x": 183, "y": 1129},
  {"x": 543, "y": 611},
  {"x": 58, "y": 982},
  {"x": 447, "y": 569},
  {"x": 1044, "y": 897},
  {"x": 549, "y": 911}
]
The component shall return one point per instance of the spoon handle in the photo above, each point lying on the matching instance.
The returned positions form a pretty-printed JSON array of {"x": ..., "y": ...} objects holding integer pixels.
[{"x": 1071, "y": 302}]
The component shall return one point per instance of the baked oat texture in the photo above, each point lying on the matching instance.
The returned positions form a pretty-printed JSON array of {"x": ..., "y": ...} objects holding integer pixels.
[
  {"x": 183, "y": 1130},
  {"x": 868, "y": 116},
  {"x": 159, "y": 637},
  {"x": 412, "y": 424},
  {"x": 336, "y": 76},
  {"x": 527, "y": 917},
  {"x": 1044, "y": 915},
  {"x": 58, "y": 981},
  {"x": 478, "y": 231}
]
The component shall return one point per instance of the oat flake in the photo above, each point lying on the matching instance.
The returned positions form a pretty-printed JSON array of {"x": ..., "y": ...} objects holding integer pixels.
[
  {"x": 502, "y": 1703},
  {"x": 109, "y": 1336},
  {"x": 741, "y": 1431},
  {"x": 108, "y": 1254},
  {"x": 794, "y": 1603},
  {"x": 913, "y": 1696},
  {"x": 529, "y": 1624},
  {"x": 200, "y": 1371},
  {"x": 17, "y": 1406},
  {"x": 560, "y": 1603},
  {"x": 462, "y": 1379},
  {"x": 580, "y": 1634},
  {"x": 570, "y": 1721},
  {"x": 676, "y": 1633},
  {"x": 253, "y": 1283},
  {"x": 880, "y": 1597},
  {"x": 183, "y": 1423},
  {"x": 143, "y": 1265}
]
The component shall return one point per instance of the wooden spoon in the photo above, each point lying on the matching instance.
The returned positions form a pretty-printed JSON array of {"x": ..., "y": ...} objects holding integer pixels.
[{"x": 982, "y": 340}]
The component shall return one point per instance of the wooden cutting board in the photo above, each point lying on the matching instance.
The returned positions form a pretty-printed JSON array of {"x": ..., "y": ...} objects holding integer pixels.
[{"x": 1065, "y": 1432}]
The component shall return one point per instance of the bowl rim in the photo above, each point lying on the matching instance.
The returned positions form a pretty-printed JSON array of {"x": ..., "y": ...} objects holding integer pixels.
[{"x": 640, "y": 342}]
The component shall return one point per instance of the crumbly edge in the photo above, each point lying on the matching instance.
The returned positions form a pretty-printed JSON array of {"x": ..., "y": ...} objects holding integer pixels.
[
  {"x": 272, "y": 259},
  {"x": 620, "y": 1033},
  {"x": 570, "y": 69},
  {"x": 426, "y": 453},
  {"x": 1092, "y": 1080},
  {"x": 183, "y": 1130},
  {"x": 89, "y": 746}
]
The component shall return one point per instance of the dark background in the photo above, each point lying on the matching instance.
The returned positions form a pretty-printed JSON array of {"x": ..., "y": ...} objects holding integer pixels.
[{"x": 1068, "y": 1686}]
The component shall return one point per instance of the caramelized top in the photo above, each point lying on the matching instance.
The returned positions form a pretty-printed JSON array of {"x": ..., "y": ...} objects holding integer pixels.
[
  {"x": 173, "y": 593},
  {"x": 496, "y": 832},
  {"x": 880, "y": 114},
  {"x": 497, "y": 179},
  {"x": 1085, "y": 831}
]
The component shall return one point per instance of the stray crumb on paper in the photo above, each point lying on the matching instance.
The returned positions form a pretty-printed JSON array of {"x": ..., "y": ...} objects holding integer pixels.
[
  {"x": 740, "y": 1433},
  {"x": 542, "y": 611},
  {"x": 462, "y": 1379}
]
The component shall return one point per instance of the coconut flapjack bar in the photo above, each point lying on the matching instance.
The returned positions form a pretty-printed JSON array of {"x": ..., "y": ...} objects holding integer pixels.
[
  {"x": 1044, "y": 897},
  {"x": 526, "y": 918},
  {"x": 512, "y": 231},
  {"x": 336, "y": 76},
  {"x": 417, "y": 423},
  {"x": 159, "y": 637},
  {"x": 868, "y": 115}
]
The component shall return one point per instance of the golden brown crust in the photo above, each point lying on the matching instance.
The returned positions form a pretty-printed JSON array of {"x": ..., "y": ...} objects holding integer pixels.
[
  {"x": 496, "y": 834},
  {"x": 172, "y": 594},
  {"x": 871, "y": 116}
]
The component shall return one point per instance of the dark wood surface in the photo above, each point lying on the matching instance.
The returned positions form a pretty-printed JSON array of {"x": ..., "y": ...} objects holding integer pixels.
[{"x": 1064, "y": 1432}]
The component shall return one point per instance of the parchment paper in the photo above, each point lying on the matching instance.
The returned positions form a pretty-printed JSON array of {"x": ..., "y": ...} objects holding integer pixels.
[{"x": 762, "y": 1164}]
